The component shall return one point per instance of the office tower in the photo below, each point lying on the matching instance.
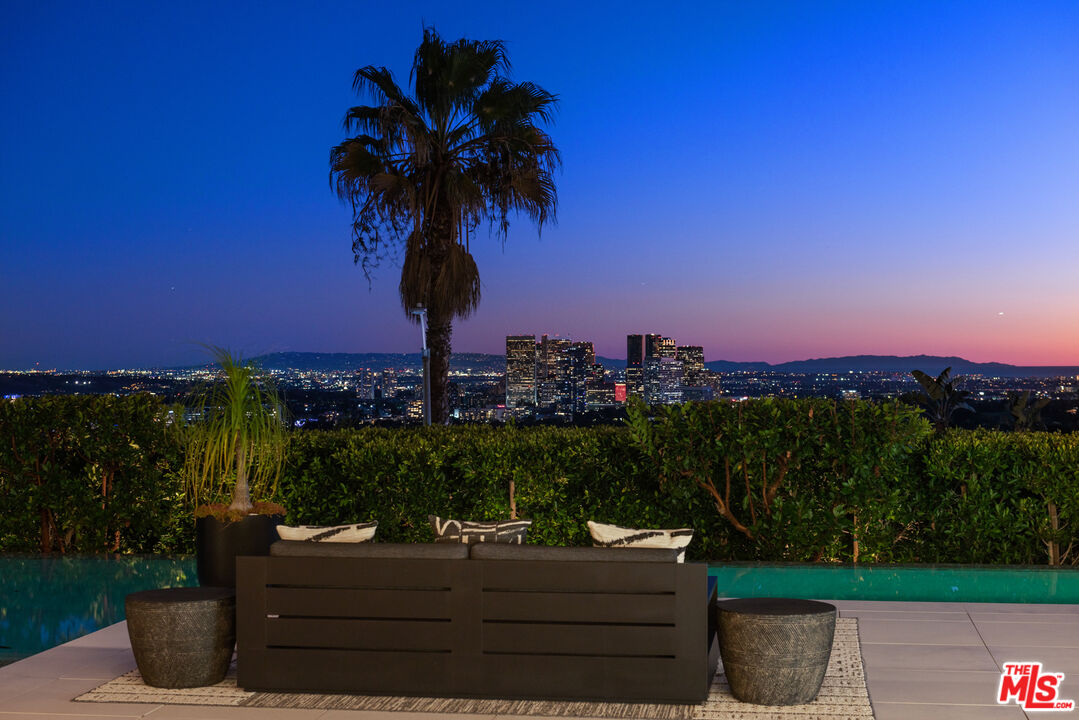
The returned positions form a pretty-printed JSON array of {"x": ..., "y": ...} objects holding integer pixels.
[
  {"x": 651, "y": 346},
  {"x": 668, "y": 348},
  {"x": 635, "y": 381},
  {"x": 599, "y": 394},
  {"x": 692, "y": 357},
  {"x": 541, "y": 360},
  {"x": 651, "y": 380},
  {"x": 669, "y": 381},
  {"x": 520, "y": 370},
  {"x": 581, "y": 357},
  {"x": 634, "y": 350},
  {"x": 635, "y": 365},
  {"x": 365, "y": 384},
  {"x": 552, "y": 372}
]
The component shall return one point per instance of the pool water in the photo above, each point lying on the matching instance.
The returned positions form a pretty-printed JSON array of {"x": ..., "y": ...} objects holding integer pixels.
[
  {"x": 933, "y": 583},
  {"x": 48, "y": 600}
]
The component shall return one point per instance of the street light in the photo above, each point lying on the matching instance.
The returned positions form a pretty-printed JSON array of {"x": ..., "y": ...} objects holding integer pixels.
[{"x": 421, "y": 312}]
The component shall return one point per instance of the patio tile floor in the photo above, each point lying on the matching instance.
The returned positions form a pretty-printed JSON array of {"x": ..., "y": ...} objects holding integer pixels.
[{"x": 931, "y": 661}]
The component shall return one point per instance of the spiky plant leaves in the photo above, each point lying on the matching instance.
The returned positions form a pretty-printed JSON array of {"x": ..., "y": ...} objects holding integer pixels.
[{"x": 237, "y": 449}]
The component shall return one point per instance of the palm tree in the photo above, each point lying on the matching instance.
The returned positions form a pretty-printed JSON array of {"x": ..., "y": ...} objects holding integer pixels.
[{"x": 422, "y": 172}]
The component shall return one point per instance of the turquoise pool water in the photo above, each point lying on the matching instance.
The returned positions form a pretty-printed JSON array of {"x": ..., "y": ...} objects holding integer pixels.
[
  {"x": 48, "y": 600},
  {"x": 935, "y": 583}
]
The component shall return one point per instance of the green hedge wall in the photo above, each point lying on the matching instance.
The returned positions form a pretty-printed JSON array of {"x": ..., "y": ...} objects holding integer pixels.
[
  {"x": 809, "y": 480},
  {"x": 90, "y": 473}
]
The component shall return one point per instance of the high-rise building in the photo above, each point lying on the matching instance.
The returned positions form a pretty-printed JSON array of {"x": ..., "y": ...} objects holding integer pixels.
[
  {"x": 599, "y": 394},
  {"x": 634, "y": 350},
  {"x": 651, "y": 380},
  {"x": 635, "y": 381},
  {"x": 670, "y": 381},
  {"x": 520, "y": 371},
  {"x": 635, "y": 365},
  {"x": 692, "y": 357},
  {"x": 651, "y": 346},
  {"x": 668, "y": 348},
  {"x": 582, "y": 357},
  {"x": 552, "y": 371}
]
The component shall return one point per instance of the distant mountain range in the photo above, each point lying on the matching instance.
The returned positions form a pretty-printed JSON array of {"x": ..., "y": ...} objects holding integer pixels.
[{"x": 931, "y": 364}]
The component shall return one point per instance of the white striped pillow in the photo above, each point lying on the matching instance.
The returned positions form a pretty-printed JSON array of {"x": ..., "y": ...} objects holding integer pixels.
[
  {"x": 615, "y": 536},
  {"x": 360, "y": 532}
]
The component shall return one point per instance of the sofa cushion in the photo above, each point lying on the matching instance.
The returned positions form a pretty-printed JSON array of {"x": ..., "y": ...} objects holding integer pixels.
[
  {"x": 299, "y": 548},
  {"x": 492, "y": 551},
  {"x": 361, "y": 532},
  {"x": 613, "y": 536},
  {"x": 448, "y": 530}
]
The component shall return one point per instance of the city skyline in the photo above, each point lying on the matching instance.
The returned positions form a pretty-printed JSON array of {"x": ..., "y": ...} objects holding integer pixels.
[{"x": 776, "y": 181}]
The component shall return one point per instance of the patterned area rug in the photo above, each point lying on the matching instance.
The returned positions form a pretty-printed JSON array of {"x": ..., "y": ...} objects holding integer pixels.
[{"x": 842, "y": 697}]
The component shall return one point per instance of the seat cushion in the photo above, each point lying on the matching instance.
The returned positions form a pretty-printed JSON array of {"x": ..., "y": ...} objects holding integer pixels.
[
  {"x": 448, "y": 530},
  {"x": 492, "y": 551},
  {"x": 613, "y": 536},
  {"x": 299, "y": 548}
]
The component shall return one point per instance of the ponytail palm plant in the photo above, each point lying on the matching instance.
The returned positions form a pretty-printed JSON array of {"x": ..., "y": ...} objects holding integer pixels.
[
  {"x": 422, "y": 171},
  {"x": 238, "y": 448}
]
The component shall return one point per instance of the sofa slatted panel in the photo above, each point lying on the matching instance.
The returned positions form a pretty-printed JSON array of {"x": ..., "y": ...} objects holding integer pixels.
[
  {"x": 596, "y": 629},
  {"x": 328, "y": 624}
]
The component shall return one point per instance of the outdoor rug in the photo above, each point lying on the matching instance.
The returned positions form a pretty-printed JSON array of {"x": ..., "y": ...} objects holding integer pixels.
[{"x": 842, "y": 697}]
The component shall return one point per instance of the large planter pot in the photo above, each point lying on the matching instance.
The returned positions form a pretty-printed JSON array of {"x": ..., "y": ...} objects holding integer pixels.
[{"x": 218, "y": 543}]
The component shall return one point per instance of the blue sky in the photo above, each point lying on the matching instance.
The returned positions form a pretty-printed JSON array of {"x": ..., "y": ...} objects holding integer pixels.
[{"x": 774, "y": 181}]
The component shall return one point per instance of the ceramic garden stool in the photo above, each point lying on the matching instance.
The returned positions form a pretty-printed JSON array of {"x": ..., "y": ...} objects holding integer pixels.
[
  {"x": 775, "y": 650},
  {"x": 182, "y": 637}
]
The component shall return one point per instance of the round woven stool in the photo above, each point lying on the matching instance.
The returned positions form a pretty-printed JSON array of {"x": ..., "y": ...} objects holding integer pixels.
[
  {"x": 182, "y": 637},
  {"x": 775, "y": 650}
]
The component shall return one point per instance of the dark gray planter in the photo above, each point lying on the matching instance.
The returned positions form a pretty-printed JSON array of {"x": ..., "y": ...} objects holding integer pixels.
[
  {"x": 218, "y": 543},
  {"x": 182, "y": 637},
  {"x": 775, "y": 651}
]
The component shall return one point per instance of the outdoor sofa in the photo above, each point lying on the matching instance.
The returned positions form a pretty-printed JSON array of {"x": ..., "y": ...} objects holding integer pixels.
[{"x": 481, "y": 620}]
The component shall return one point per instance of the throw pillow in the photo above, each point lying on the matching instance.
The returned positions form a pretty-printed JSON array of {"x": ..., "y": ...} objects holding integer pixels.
[
  {"x": 361, "y": 532},
  {"x": 615, "y": 536},
  {"x": 467, "y": 531}
]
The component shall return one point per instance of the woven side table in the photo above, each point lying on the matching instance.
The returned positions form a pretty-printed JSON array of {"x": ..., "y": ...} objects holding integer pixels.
[
  {"x": 182, "y": 637},
  {"x": 775, "y": 650}
]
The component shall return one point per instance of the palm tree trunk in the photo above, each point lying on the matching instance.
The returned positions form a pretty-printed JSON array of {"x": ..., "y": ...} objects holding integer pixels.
[{"x": 439, "y": 331}]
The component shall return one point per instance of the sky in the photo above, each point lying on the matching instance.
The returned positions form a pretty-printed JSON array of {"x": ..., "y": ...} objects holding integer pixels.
[{"x": 772, "y": 180}]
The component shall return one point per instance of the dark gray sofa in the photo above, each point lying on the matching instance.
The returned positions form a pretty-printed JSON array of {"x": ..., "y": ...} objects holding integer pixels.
[{"x": 502, "y": 621}]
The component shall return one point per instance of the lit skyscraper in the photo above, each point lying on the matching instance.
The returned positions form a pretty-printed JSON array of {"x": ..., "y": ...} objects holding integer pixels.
[
  {"x": 670, "y": 381},
  {"x": 552, "y": 371},
  {"x": 520, "y": 370},
  {"x": 635, "y": 365},
  {"x": 651, "y": 346},
  {"x": 692, "y": 357},
  {"x": 582, "y": 356}
]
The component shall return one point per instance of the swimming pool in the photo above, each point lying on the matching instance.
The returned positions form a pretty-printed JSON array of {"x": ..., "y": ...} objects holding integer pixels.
[
  {"x": 934, "y": 583},
  {"x": 47, "y": 600}
]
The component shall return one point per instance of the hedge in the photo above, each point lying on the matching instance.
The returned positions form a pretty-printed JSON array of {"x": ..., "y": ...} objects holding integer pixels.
[
  {"x": 90, "y": 473},
  {"x": 810, "y": 480}
]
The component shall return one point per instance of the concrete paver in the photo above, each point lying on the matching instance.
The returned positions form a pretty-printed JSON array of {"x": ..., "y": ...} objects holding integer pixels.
[{"x": 920, "y": 632}]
